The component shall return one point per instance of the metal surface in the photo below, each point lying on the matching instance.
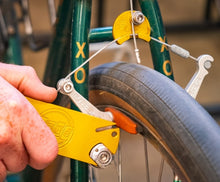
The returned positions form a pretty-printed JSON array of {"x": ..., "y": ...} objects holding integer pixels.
[
  {"x": 100, "y": 34},
  {"x": 65, "y": 86},
  {"x": 203, "y": 63},
  {"x": 101, "y": 155},
  {"x": 138, "y": 17}
]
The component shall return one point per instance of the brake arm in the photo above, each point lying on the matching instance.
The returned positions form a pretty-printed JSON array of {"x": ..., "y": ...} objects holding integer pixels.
[
  {"x": 79, "y": 135},
  {"x": 203, "y": 64}
]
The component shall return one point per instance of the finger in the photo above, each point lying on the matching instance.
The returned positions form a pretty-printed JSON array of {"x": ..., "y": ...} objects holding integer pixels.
[
  {"x": 12, "y": 150},
  {"x": 16, "y": 159},
  {"x": 27, "y": 129},
  {"x": 39, "y": 141},
  {"x": 25, "y": 79},
  {"x": 31, "y": 86}
]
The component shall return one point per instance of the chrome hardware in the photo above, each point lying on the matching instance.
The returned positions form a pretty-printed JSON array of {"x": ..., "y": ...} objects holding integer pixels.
[
  {"x": 65, "y": 86},
  {"x": 138, "y": 17},
  {"x": 101, "y": 155},
  {"x": 203, "y": 63}
]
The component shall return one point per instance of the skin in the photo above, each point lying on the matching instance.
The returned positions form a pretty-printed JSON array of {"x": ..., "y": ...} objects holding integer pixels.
[{"x": 24, "y": 137}]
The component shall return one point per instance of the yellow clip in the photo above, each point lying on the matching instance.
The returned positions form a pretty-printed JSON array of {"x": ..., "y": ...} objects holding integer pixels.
[
  {"x": 122, "y": 28},
  {"x": 76, "y": 133}
]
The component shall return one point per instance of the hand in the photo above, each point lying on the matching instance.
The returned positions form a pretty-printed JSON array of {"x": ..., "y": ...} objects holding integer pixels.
[{"x": 24, "y": 137}]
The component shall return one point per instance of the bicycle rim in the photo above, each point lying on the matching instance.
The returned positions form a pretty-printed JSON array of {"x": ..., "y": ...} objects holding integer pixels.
[{"x": 169, "y": 118}]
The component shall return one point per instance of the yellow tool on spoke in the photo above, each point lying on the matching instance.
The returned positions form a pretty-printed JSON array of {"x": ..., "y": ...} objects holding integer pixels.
[{"x": 80, "y": 136}]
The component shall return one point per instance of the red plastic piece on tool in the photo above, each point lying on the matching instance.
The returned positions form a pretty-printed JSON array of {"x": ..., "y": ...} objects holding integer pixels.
[{"x": 122, "y": 121}]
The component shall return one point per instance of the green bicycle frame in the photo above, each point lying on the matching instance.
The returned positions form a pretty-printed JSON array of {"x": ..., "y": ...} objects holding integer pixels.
[{"x": 80, "y": 53}]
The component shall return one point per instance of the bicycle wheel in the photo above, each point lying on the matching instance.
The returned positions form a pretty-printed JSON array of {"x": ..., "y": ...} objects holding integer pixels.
[{"x": 184, "y": 133}]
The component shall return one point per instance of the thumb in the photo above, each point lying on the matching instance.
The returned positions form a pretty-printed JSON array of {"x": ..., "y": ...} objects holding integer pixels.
[{"x": 25, "y": 79}]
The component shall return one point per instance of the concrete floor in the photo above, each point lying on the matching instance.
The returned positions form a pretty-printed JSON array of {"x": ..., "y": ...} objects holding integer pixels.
[{"x": 174, "y": 12}]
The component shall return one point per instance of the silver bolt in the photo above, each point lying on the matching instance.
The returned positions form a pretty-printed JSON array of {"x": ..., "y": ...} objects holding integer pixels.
[
  {"x": 65, "y": 86},
  {"x": 138, "y": 17},
  {"x": 101, "y": 155},
  {"x": 68, "y": 86},
  {"x": 104, "y": 157},
  {"x": 207, "y": 64}
]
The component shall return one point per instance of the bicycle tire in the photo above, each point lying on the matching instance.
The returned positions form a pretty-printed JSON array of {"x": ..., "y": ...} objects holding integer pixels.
[{"x": 172, "y": 120}]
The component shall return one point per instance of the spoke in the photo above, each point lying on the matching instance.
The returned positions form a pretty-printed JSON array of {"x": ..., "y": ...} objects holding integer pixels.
[
  {"x": 91, "y": 175},
  {"x": 119, "y": 165},
  {"x": 146, "y": 160},
  {"x": 118, "y": 162},
  {"x": 161, "y": 169}
]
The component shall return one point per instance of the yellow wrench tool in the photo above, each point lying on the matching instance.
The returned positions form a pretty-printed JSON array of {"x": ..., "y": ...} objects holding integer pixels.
[{"x": 80, "y": 136}]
